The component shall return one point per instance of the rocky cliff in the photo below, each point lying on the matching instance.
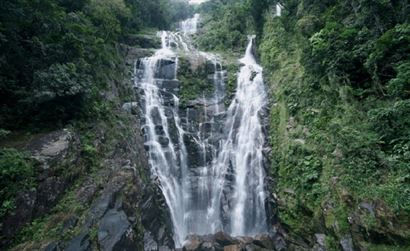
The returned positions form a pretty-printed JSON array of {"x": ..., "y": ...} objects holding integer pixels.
[{"x": 94, "y": 188}]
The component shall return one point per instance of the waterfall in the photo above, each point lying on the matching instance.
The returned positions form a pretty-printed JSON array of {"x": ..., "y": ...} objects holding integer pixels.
[
  {"x": 242, "y": 149},
  {"x": 279, "y": 8},
  {"x": 207, "y": 158},
  {"x": 189, "y": 26}
]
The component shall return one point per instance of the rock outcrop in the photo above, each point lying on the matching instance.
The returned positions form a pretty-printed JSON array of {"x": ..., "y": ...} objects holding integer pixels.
[{"x": 223, "y": 242}]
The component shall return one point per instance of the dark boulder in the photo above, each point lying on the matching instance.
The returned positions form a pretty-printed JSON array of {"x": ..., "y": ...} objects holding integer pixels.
[
  {"x": 224, "y": 239},
  {"x": 79, "y": 243},
  {"x": 113, "y": 231},
  {"x": 166, "y": 69}
]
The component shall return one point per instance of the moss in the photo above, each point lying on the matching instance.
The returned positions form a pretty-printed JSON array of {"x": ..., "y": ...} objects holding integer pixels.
[
  {"x": 51, "y": 227},
  {"x": 194, "y": 82},
  {"x": 231, "y": 82},
  {"x": 331, "y": 243},
  {"x": 375, "y": 247}
]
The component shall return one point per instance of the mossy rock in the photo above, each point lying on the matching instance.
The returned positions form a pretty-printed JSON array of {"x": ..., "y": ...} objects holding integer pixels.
[{"x": 194, "y": 80}]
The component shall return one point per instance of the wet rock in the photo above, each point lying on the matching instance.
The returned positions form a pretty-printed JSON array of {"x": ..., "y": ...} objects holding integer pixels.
[
  {"x": 171, "y": 86},
  {"x": 222, "y": 242},
  {"x": 245, "y": 239},
  {"x": 166, "y": 69},
  {"x": 164, "y": 141},
  {"x": 192, "y": 244},
  {"x": 51, "y": 147},
  {"x": 149, "y": 243},
  {"x": 156, "y": 219},
  {"x": 86, "y": 193},
  {"x": 320, "y": 242},
  {"x": 164, "y": 248},
  {"x": 156, "y": 116},
  {"x": 253, "y": 247},
  {"x": 159, "y": 130},
  {"x": 70, "y": 223},
  {"x": 101, "y": 206},
  {"x": 25, "y": 205},
  {"x": 194, "y": 153},
  {"x": 112, "y": 230},
  {"x": 206, "y": 127},
  {"x": 50, "y": 151},
  {"x": 253, "y": 75},
  {"x": 131, "y": 107},
  {"x": 209, "y": 246},
  {"x": 224, "y": 239},
  {"x": 49, "y": 192},
  {"x": 79, "y": 243},
  {"x": 192, "y": 115},
  {"x": 263, "y": 241},
  {"x": 236, "y": 247},
  {"x": 347, "y": 243},
  {"x": 167, "y": 98},
  {"x": 173, "y": 131},
  {"x": 279, "y": 242},
  {"x": 53, "y": 246},
  {"x": 369, "y": 207},
  {"x": 210, "y": 67}
]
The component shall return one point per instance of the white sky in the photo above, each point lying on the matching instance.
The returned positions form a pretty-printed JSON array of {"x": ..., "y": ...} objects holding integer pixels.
[{"x": 196, "y": 1}]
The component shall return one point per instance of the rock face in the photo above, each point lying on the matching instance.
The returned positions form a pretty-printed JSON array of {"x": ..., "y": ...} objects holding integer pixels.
[
  {"x": 48, "y": 151},
  {"x": 223, "y": 242},
  {"x": 51, "y": 147},
  {"x": 128, "y": 213},
  {"x": 121, "y": 207}
]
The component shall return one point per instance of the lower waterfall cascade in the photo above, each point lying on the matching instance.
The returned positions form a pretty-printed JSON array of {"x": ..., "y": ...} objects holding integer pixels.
[{"x": 220, "y": 185}]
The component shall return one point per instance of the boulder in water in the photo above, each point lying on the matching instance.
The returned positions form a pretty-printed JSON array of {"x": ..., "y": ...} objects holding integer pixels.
[
  {"x": 166, "y": 69},
  {"x": 223, "y": 242}
]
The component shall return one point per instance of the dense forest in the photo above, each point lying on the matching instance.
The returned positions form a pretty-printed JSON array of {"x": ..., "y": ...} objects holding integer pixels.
[
  {"x": 57, "y": 54},
  {"x": 337, "y": 74}
]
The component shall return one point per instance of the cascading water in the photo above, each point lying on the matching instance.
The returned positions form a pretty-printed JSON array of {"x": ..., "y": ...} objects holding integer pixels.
[
  {"x": 221, "y": 186},
  {"x": 189, "y": 26},
  {"x": 242, "y": 149},
  {"x": 278, "y": 10}
]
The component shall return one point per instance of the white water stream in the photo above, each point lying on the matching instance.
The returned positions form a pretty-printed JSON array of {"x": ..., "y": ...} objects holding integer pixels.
[{"x": 225, "y": 191}]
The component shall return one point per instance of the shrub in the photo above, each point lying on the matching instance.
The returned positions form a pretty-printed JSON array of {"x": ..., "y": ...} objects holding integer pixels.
[{"x": 16, "y": 174}]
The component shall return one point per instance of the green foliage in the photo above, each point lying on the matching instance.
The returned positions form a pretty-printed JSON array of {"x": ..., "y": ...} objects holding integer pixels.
[
  {"x": 52, "y": 225},
  {"x": 339, "y": 125},
  {"x": 193, "y": 81},
  {"x": 399, "y": 86},
  {"x": 16, "y": 173},
  {"x": 64, "y": 81},
  {"x": 158, "y": 13},
  {"x": 227, "y": 27},
  {"x": 390, "y": 52},
  {"x": 392, "y": 122},
  {"x": 58, "y": 56},
  {"x": 231, "y": 82},
  {"x": 3, "y": 133}
]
